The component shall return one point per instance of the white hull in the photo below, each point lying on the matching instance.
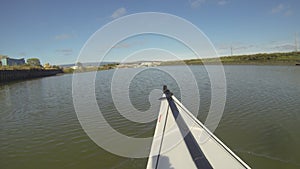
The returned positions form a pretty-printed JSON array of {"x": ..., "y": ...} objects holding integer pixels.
[{"x": 182, "y": 141}]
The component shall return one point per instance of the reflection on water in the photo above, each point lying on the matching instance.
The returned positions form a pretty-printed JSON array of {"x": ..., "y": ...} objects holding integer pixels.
[{"x": 39, "y": 127}]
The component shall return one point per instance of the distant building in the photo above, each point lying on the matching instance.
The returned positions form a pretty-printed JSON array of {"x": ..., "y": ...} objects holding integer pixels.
[
  {"x": 139, "y": 64},
  {"x": 74, "y": 67},
  {"x": 149, "y": 64},
  {"x": 6, "y": 61},
  {"x": 2, "y": 57}
]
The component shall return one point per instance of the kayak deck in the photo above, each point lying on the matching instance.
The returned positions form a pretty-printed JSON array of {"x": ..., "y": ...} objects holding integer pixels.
[{"x": 182, "y": 141}]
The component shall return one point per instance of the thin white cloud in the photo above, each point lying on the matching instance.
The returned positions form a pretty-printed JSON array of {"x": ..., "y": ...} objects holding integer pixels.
[
  {"x": 284, "y": 47},
  {"x": 277, "y": 46},
  {"x": 239, "y": 48},
  {"x": 282, "y": 9},
  {"x": 278, "y": 8},
  {"x": 288, "y": 12},
  {"x": 223, "y": 2},
  {"x": 118, "y": 13},
  {"x": 129, "y": 44},
  {"x": 196, "y": 3},
  {"x": 235, "y": 46},
  {"x": 121, "y": 45},
  {"x": 199, "y": 3},
  {"x": 63, "y": 37},
  {"x": 65, "y": 52},
  {"x": 22, "y": 54}
]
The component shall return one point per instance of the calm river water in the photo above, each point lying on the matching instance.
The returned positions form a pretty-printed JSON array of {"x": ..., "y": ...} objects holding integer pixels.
[{"x": 39, "y": 127}]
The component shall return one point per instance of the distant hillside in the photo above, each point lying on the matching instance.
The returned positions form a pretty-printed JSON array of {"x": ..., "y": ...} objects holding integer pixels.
[{"x": 290, "y": 58}]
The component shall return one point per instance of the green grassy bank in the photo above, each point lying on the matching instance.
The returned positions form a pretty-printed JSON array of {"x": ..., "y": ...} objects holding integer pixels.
[{"x": 290, "y": 58}]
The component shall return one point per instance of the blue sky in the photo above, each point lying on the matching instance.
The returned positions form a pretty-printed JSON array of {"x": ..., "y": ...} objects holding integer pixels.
[{"x": 55, "y": 31}]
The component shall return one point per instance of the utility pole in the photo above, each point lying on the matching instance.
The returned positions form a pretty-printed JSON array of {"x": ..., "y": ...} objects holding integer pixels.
[{"x": 231, "y": 50}]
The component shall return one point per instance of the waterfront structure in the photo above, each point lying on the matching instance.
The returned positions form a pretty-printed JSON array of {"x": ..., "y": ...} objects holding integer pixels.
[
  {"x": 7, "y": 61},
  {"x": 74, "y": 67},
  {"x": 23, "y": 74},
  {"x": 139, "y": 64}
]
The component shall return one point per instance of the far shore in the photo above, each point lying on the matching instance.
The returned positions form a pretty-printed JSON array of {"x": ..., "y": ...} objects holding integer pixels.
[
  {"x": 284, "y": 59},
  {"x": 289, "y": 58},
  {"x": 276, "y": 59}
]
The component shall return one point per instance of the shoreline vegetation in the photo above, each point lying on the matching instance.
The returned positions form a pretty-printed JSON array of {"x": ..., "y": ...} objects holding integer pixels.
[
  {"x": 289, "y": 58},
  {"x": 33, "y": 68},
  {"x": 25, "y": 67}
]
